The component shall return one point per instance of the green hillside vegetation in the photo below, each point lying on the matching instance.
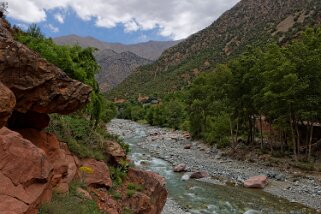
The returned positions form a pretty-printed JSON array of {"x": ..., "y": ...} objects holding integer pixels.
[
  {"x": 86, "y": 125},
  {"x": 276, "y": 85},
  {"x": 249, "y": 23}
]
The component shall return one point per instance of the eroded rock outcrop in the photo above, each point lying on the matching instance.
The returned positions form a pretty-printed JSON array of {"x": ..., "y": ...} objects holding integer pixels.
[
  {"x": 25, "y": 173},
  {"x": 114, "y": 152},
  {"x": 7, "y": 103},
  {"x": 153, "y": 199},
  {"x": 33, "y": 162},
  {"x": 38, "y": 85},
  {"x": 150, "y": 200},
  {"x": 65, "y": 165},
  {"x": 98, "y": 175}
]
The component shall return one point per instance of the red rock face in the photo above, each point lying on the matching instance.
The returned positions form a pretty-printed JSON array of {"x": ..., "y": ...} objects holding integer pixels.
[
  {"x": 25, "y": 173},
  {"x": 7, "y": 103},
  {"x": 65, "y": 165},
  {"x": 114, "y": 152},
  {"x": 38, "y": 85},
  {"x": 99, "y": 177},
  {"x": 153, "y": 199}
]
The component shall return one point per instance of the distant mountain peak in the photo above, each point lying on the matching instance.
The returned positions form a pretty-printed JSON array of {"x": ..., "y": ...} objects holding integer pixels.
[{"x": 149, "y": 50}]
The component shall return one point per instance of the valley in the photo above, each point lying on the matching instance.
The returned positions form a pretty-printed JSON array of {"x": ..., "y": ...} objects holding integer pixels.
[{"x": 224, "y": 121}]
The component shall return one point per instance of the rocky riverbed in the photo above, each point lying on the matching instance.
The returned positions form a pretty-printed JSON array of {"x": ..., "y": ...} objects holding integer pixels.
[{"x": 173, "y": 146}]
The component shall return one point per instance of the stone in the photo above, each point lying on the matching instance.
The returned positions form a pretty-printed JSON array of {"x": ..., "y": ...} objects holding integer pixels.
[
  {"x": 38, "y": 85},
  {"x": 7, "y": 103},
  {"x": 256, "y": 182},
  {"x": 253, "y": 212},
  {"x": 62, "y": 188},
  {"x": 189, "y": 146},
  {"x": 25, "y": 173},
  {"x": 180, "y": 168},
  {"x": 114, "y": 152},
  {"x": 199, "y": 175},
  {"x": 84, "y": 193},
  {"x": 153, "y": 198},
  {"x": 99, "y": 177}
]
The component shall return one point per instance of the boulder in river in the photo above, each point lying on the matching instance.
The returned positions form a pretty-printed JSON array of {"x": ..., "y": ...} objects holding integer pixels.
[
  {"x": 180, "y": 167},
  {"x": 199, "y": 175},
  {"x": 256, "y": 182}
]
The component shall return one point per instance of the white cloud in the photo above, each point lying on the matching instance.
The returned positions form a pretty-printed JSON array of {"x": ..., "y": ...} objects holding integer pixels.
[
  {"x": 52, "y": 28},
  {"x": 174, "y": 18},
  {"x": 60, "y": 18}
]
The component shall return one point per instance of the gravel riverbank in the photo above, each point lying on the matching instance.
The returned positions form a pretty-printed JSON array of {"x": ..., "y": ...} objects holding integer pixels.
[{"x": 169, "y": 145}]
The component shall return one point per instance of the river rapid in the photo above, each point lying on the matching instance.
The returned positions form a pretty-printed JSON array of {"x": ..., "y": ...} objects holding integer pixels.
[{"x": 157, "y": 149}]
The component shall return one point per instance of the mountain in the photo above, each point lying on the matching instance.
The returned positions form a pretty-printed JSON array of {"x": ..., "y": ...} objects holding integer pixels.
[
  {"x": 248, "y": 23},
  {"x": 150, "y": 50},
  {"x": 116, "y": 67}
]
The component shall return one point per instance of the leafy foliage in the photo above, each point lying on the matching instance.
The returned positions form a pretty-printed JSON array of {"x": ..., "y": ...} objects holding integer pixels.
[{"x": 281, "y": 84}]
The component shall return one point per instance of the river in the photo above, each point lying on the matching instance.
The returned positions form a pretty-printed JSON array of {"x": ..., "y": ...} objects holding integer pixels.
[{"x": 197, "y": 196}]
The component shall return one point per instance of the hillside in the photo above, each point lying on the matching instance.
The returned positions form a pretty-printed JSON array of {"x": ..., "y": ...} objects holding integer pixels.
[
  {"x": 116, "y": 67},
  {"x": 250, "y": 22},
  {"x": 150, "y": 50}
]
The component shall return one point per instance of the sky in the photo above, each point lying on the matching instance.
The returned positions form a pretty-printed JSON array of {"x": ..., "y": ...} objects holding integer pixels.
[{"x": 123, "y": 21}]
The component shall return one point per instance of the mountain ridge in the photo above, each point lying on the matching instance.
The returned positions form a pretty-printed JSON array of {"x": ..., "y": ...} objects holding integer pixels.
[
  {"x": 150, "y": 50},
  {"x": 249, "y": 22},
  {"x": 116, "y": 67}
]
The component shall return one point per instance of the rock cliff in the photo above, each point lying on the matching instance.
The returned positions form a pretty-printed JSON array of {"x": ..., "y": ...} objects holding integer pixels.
[{"x": 33, "y": 163}]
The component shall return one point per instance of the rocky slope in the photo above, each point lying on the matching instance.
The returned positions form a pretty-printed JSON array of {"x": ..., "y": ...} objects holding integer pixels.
[
  {"x": 33, "y": 162},
  {"x": 250, "y": 22},
  {"x": 149, "y": 50},
  {"x": 117, "y": 60},
  {"x": 115, "y": 67}
]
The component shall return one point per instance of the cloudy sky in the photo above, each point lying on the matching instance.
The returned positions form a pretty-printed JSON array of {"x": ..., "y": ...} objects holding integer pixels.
[{"x": 125, "y": 21}]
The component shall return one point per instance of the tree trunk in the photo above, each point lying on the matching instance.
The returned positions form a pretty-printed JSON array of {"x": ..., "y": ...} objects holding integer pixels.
[
  {"x": 232, "y": 135},
  {"x": 293, "y": 139},
  {"x": 261, "y": 131},
  {"x": 298, "y": 137},
  {"x": 271, "y": 139},
  {"x": 310, "y": 142}
]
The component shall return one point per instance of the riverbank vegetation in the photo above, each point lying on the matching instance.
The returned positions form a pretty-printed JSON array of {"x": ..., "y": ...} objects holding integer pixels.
[{"x": 267, "y": 98}]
